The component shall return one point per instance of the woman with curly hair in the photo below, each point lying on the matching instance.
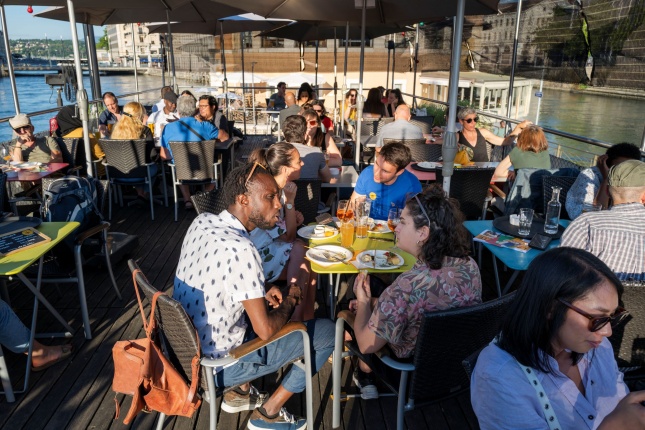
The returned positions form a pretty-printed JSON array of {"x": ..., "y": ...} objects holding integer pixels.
[{"x": 443, "y": 277}]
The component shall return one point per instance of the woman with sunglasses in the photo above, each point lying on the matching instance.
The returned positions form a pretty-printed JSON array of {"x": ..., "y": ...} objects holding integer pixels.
[
  {"x": 551, "y": 365},
  {"x": 476, "y": 138},
  {"x": 328, "y": 124},
  {"x": 350, "y": 110},
  {"x": 315, "y": 137},
  {"x": 531, "y": 152},
  {"x": 443, "y": 277}
]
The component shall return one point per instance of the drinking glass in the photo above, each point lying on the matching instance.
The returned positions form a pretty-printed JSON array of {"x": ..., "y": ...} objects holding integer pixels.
[
  {"x": 344, "y": 212},
  {"x": 526, "y": 219},
  {"x": 326, "y": 155},
  {"x": 272, "y": 104},
  {"x": 393, "y": 218},
  {"x": 346, "y": 234}
]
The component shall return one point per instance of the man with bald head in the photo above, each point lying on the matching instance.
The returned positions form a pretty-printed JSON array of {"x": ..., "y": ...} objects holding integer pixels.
[
  {"x": 291, "y": 109},
  {"x": 400, "y": 128}
]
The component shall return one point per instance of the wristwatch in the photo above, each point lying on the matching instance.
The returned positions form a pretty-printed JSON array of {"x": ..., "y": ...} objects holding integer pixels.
[{"x": 289, "y": 206}]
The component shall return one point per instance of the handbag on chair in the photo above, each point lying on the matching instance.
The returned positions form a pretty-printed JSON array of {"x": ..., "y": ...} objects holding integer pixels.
[{"x": 141, "y": 370}]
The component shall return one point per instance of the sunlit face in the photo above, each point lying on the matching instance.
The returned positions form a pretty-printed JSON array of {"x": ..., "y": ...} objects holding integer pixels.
[
  {"x": 384, "y": 172},
  {"x": 293, "y": 171},
  {"x": 391, "y": 97},
  {"x": 407, "y": 234},
  {"x": 469, "y": 122},
  {"x": 111, "y": 104},
  {"x": 312, "y": 124},
  {"x": 25, "y": 133},
  {"x": 574, "y": 334},
  {"x": 352, "y": 97},
  {"x": 264, "y": 202},
  {"x": 206, "y": 111},
  {"x": 282, "y": 89},
  {"x": 169, "y": 106},
  {"x": 318, "y": 110}
]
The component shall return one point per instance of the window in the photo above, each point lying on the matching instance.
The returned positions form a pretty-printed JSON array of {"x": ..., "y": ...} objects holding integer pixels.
[
  {"x": 247, "y": 39},
  {"x": 312, "y": 43},
  {"x": 272, "y": 42},
  {"x": 355, "y": 43}
]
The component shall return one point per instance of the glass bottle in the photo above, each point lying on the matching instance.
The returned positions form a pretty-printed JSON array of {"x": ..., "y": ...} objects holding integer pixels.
[{"x": 552, "y": 216}]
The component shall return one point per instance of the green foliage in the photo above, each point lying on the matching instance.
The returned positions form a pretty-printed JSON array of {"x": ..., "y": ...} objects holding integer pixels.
[
  {"x": 41, "y": 48},
  {"x": 438, "y": 111},
  {"x": 104, "y": 42}
]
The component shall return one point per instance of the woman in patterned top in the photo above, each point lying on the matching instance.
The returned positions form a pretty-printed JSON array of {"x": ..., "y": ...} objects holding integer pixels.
[
  {"x": 443, "y": 277},
  {"x": 283, "y": 256}
]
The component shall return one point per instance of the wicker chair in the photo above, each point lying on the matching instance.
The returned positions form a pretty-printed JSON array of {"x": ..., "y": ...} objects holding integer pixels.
[
  {"x": 69, "y": 149},
  {"x": 307, "y": 198},
  {"x": 421, "y": 151},
  {"x": 628, "y": 339},
  {"x": 128, "y": 162},
  {"x": 561, "y": 163},
  {"x": 208, "y": 201},
  {"x": 445, "y": 339},
  {"x": 527, "y": 189},
  {"x": 194, "y": 164},
  {"x": 425, "y": 123},
  {"x": 565, "y": 183},
  {"x": 469, "y": 186},
  {"x": 369, "y": 126},
  {"x": 178, "y": 336},
  {"x": 382, "y": 122}
]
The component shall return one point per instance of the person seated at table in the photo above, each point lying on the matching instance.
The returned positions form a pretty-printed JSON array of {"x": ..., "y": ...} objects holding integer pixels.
[
  {"x": 292, "y": 108},
  {"x": 444, "y": 277},
  {"x": 394, "y": 100},
  {"x": 278, "y": 97},
  {"x": 315, "y": 137},
  {"x": 15, "y": 336},
  {"x": 165, "y": 115},
  {"x": 591, "y": 184},
  {"x": 531, "y": 152},
  {"x": 209, "y": 111},
  {"x": 328, "y": 124},
  {"x": 295, "y": 133},
  {"x": 187, "y": 129},
  {"x": 70, "y": 126},
  {"x": 350, "y": 111},
  {"x": 617, "y": 235},
  {"x": 306, "y": 94},
  {"x": 386, "y": 182},
  {"x": 400, "y": 128},
  {"x": 552, "y": 362},
  {"x": 477, "y": 138},
  {"x": 110, "y": 115},
  {"x": 161, "y": 103},
  {"x": 28, "y": 147},
  {"x": 132, "y": 125},
  {"x": 282, "y": 253},
  {"x": 373, "y": 107}
]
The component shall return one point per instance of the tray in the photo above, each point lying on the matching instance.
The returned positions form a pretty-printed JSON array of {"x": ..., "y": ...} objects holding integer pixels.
[{"x": 502, "y": 224}]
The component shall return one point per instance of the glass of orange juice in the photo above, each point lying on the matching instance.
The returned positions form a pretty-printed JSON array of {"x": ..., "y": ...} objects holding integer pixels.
[
  {"x": 151, "y": 126},
  {"x": 346, "y": 234}
]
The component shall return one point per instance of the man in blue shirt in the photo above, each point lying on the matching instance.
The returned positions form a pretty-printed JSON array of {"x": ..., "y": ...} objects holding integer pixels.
[
  {"x": 188, "y": 129},
  {"x": 387, "y": 183},
  {"x": 109, "y": 116}
]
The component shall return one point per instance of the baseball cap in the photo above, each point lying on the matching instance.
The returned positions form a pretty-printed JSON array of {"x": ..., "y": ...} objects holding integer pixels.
[
  {"x": 171, "y": 97},
  {"x": 20, "y": 120},
  {"x": 630, "y": 173}
]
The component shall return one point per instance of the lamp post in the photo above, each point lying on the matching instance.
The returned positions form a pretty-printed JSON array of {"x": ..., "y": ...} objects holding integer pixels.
[{"x": 255, "y": 122}]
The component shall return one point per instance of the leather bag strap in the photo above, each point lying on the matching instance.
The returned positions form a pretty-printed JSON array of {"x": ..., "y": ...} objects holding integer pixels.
[
  {"x": 192, "y": 129},
  {"x": 147, "y": 325}
]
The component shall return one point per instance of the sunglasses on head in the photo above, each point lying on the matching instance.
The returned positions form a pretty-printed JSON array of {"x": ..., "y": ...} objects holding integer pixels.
[
  {"x": 596, "y": 323},
  {"x": 422, "y": 208},
  {"x": 248, "y": 178},
  {"x": 469, "y": 120}
]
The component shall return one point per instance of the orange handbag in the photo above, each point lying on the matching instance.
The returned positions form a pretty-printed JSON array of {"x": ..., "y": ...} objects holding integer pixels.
[{"x": 141, "y": 370}]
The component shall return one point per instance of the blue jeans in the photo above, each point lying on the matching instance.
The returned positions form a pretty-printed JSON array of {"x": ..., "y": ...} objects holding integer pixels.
[
  {"x": 13, "y": 333},
  {"x": 275, "y": 355}
]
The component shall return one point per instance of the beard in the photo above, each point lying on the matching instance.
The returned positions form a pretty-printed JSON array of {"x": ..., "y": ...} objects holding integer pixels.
[{"x": 258, "y": 219}]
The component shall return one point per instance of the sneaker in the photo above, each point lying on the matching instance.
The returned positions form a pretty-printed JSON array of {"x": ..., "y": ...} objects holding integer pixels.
[
  {"x": 365, "y": 382},
  {"x": 283, "y": 420},
  {"x": 237, "y": 400}
]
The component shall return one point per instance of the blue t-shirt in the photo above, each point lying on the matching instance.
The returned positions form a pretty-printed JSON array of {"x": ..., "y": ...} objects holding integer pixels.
[
  {"x": 384, "y": 195},
  {"x": 177, "y": 132},
  {"x": 107, "y": 117}
]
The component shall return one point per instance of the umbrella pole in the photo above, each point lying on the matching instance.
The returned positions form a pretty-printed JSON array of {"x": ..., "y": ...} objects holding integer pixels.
[
  {"x": 342, "y": 104},
  {"x": 511, "y": 80},
  {"x": 134, "y": 63},
  {"x": 316, "y": 78},
  {"x": 416, "y": 60},
  {"x": 81, "y": 94},
  {"x": 449, "y": 149},
  {"x": 335, "y": 76},
  {"x": 359, "y": 98},
  {"x": 225, "y": 83},
  {"x": 243, "y": 85},
  {"x": 387, "y": 74},
  {"x": 393, "y": 65},
  {"x": 94, "y": 63},
  {"x": 172, "y": 53},
  {"x": 12, "y": 75},
  {"x": 163, "y": 60}
]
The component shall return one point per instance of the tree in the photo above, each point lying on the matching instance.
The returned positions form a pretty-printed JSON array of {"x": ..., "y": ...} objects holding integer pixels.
[{"x": 104, "y": 42}]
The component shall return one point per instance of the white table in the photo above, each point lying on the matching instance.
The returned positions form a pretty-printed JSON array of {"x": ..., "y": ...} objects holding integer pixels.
[{"x": 346, "y": 178}]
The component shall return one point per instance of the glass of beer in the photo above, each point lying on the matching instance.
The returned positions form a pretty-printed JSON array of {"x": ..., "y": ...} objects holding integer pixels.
[
  {"x": 346, "y": 234},
  {"x": 271, "y": 104},
  {"x": 393, "y": 218},
  {"x": 344, "y": 212}
]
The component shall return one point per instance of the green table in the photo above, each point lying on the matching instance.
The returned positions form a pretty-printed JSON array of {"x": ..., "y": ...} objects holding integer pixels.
[
  {"x": 382, "y": 241},
  {"x": 15, "y": 264}
]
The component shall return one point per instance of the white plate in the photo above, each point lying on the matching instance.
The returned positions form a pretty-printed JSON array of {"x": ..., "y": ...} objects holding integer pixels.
[
  {"x": 316, "y": 254},
  {"x": 307, "y": 232},
  {"x": 379, "y": 259},
  {"x": 429, "y": 164},
  {"x": 25, "y": 164},
  {"x": 379, "y": 227}
]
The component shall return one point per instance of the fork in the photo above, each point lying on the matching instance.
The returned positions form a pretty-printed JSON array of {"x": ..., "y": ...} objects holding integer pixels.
[{"x": 333, "y": 257}]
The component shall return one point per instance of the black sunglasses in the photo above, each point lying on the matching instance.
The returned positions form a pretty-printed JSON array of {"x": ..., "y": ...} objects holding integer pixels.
[
  {"x": 596, "y": 323},
  {"x": 469, "y": 120}
]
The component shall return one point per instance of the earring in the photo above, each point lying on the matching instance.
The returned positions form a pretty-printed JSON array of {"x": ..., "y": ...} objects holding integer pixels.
[{"x": 418, "y": 241}]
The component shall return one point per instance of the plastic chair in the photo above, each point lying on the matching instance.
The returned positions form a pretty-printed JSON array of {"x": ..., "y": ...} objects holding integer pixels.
[
  {"x": 179, "y": 339},
  {"x": 194, "y": 164},
  {"x": 127, "y": 162},
  {"x": 470, "y": 187},
  {"x": 421, "y": 151},
  {"x": 208, "y": 201},
  {"x": 307, "y": 198},
  {"x": 445, "y": 339}
]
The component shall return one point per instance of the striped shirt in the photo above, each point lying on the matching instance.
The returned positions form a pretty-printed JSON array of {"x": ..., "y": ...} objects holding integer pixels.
[{"x": 616, "y": 236}]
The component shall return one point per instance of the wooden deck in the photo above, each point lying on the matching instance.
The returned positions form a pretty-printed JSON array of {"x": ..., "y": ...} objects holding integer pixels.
[{"x": 77, "y": 394}]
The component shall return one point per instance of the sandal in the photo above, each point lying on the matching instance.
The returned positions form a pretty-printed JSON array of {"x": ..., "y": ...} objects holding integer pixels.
[
  {"x": 66, "y": 351},
  {"x": 189, "y": 206}
]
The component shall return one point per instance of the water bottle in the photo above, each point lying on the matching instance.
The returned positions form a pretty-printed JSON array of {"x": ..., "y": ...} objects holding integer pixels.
[{"x": 552, "y": 216}]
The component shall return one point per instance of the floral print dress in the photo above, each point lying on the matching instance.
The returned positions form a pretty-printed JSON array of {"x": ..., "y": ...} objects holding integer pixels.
[
  {"x": 397, "y": 316},
  {"x": 273, "y": 251}
]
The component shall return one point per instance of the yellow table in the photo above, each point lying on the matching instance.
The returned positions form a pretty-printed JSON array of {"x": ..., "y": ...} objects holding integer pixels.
[
  {"x": 373, "y": 241},
  {"x": 15, "y": 264}
]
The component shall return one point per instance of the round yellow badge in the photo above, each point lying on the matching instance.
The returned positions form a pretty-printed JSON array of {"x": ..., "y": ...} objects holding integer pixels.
[
  {"x": 373, "y": 195},
  {"x": 27, "y": 232}
]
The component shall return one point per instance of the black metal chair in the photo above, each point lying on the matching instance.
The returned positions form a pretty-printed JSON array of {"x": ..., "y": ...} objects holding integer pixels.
[
  {"x": 565, "y": 183},
  {"x": 208, "y": 201},
  {"x": 425, "y": 123},
  {"x": 307, "y": 198},
  {"x": 628, "y": 339},
  {"x": 445, "y": 339},
  {"x": 128, "y": 162},
  {"x": 421, "y": 151},
  {"x": 194, "y": 163},
  {"x": 527, "y": 189},
  {"x": 470, "y": 187},
  {"x": 179, "y": 340}
]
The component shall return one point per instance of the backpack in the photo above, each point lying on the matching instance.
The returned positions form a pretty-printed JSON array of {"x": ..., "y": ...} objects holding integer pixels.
[{"x": 72, "y": 198}]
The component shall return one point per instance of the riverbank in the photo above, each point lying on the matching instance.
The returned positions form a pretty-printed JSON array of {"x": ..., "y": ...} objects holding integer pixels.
[{"x": 623, "y": 93}]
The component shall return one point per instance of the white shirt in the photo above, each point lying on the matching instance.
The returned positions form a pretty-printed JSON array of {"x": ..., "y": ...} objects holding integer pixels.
[{"x": 160, "y": 119}]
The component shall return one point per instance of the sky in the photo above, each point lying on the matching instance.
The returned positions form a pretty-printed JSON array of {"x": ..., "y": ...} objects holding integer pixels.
[{"x": 22, "y": 25}]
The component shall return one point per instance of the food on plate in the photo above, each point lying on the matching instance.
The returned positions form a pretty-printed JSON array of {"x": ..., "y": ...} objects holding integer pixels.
[
  {"x": 367, "y": 258},
  {"x": 392, "y": 259},
  {"x": 377, "y": 226}
]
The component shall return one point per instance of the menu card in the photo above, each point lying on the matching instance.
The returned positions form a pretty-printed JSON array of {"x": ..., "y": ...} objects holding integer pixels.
[{"x": 502, "y": 240}]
